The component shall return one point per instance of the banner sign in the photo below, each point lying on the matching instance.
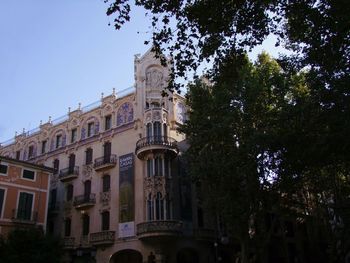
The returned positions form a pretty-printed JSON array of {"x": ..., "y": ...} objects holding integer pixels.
[{"x": 126, "y": 195}]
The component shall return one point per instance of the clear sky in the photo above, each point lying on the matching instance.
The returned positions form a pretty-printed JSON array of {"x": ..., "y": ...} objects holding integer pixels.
[{"x": 55, "y": 54}]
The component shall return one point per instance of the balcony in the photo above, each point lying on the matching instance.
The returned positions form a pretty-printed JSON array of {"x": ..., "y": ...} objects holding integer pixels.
[
  {"x": 68, "y": 242},
  {"x": 102, "y": 238},
  {"x": 69, "y": 173},
  {"x": 163, "y": 144},
  {"x": 156, "y": 229},
  {"x": 84, "y": 201},
  {"x": 105, "y": 162},
  {"x": 24, "y": 216}
]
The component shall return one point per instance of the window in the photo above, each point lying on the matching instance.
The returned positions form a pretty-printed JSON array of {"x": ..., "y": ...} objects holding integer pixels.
[
  {"x": 69, "y": 192},
  {"x": 166, "y": 166},
  {"x": 28, "y": 174},
  {"x": 31, "y": 152},
  {"x": 87, "y": 189},
  {"x": 58, "y": 140},
  {"x": 90, "y": 129},
  {"x": 149, "y": 131},
  {"x": 3, "y": 169},
  {"x": 43, "y": 147},
  {"x": 73, "y": 136},
  {"x": 105, "y": 221},
  {"x": 158, "y": 166},
  {"x": 157, "y": 130},
  {"x": 67, "y": 227},
  {"x": 2, "y": 197},
  {"x": 71, "y": 161},
  {"x": 18, "y": 155},
  {"x": 150, "y": 167},
  {"x": 86, "y": 225},
  {"x": 53, "y": 199},
  {"x": 159, "y": 207},
  {"x": 106, "y": 183},
  {"x": 150, "y": 208},
  {"x": 56, "y": 166},
  {"x": 88, "y": 156},
  {"x": 108, "y": 122},
  {"x": 25, "y": 203}
]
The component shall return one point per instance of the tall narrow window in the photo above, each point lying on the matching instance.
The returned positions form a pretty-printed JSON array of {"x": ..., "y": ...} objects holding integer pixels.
[
  {"x": 88, "y": 156},
  {"x": 150, "y": 216},
  {"x": 67, "y": 227},
  {"x": 150, "y": 167},
  {"x": 158, "y": 166},
  {"x": 53, "y": 198},
  {"x": 69, "y": 192},
  {"x": 159, "y": 207},
  {"x": 149, "y": 131},
  {"x": 157, "y": 131},
  {"x": 166, "y": 166},
  {"x": 18, "y": 155},
  {"x": 25, "y": 203},
  {"x": 105, "y": 221},
  {"x": 87, "y": 190},
  {"x": 90, "y": 129},
  {"x": 165, "y": 131},
  {"x": 73, "y": 136},
  {"x": 108, "y": 122},
  {"x": 56, "y": 166},
  {"x": 43, "y": 147},
  {"x": 86, "y": 225},
  {"x": 106, "y": 183},
  {"x": 107, "y": 150},
  {"x": 71, "y": 163},
  {"x": 30, "y": 151},
  {"x": 58, "y": 140}
]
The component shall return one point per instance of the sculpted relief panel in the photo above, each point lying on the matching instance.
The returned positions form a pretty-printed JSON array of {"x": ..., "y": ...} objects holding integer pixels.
[{"x": 154, "y": 79}]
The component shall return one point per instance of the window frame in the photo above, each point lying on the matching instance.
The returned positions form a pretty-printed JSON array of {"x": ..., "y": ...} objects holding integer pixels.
[
  {"x": 108, "y": 120},
  {"x": 18, "y": 202},
  {"x": 30, "y": 151},
  {"x": 104, "y": 225},
  {"x": 2, "y": 205},
  {"x": 28, "y": 179},
  {"x": 90, "y": 129},
  {"x": 73, "y": 135},
  {"x": 58, "y": 141},
  {"x": 43, "y": 146}
]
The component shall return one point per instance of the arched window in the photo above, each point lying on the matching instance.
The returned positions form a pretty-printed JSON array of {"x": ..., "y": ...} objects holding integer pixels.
[
  {"x": 150, "y": 209},
  {"x": 159, "y": 207}
]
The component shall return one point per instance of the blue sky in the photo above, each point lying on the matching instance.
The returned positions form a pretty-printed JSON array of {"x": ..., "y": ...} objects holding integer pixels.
[{"x": 55, "y": 54}]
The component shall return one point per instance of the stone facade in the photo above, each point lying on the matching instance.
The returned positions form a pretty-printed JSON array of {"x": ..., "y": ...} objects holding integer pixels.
[{"x": 119, "y": 192}]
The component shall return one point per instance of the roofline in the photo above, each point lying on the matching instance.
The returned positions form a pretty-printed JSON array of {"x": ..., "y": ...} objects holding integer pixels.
[{"x": 32, "y": 165}]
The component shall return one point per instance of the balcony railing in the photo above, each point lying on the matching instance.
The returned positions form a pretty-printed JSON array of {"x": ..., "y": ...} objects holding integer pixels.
[
  {"x": 68, "y": 242},
  {"x": 154, "y": 143},
  {"x": 160, "y": 228},
  {"x": 24, "y": 216},
  {"x": 105, "y": 161},
  {"x": 82, "y": 201},
  {"x": 69, "y": 173},
  {"x": 102, "y": 238}
]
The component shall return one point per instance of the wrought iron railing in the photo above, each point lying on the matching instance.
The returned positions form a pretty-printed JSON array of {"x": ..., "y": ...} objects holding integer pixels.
[
  {"x": 164, "y": 226},
  {"x": 107, "y": 159},
  {"x": 66, "y": 172},
  {"x": 84, "y": 199},
  {"x": 24, "y": 215},
  {"x": 102, "y": 237},
  {"x": 156, "y": 140}
]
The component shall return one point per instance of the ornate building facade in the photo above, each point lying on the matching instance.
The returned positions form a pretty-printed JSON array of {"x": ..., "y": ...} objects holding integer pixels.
[{"x": 120, "y": 192}]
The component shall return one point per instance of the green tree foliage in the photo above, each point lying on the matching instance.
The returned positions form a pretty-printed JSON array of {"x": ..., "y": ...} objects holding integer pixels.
[{"x": 30, "y": 245}]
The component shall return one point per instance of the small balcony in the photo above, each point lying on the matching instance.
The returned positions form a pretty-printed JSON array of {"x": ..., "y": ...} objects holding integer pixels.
[
  {"x": 156, "y": 144},
  {"x": 68, "y": 242},
  {"x": 102, "y": 238},
  {"x": 69, "y": 173},
  {"x": 105, "y": 162},
  {"x": 84, "y": 201},
  {"x": 24, "y": 216},
  {"x": 156, "y": 229}
]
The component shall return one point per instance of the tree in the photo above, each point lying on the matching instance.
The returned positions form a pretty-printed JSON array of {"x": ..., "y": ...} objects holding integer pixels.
[{"x": 30, "y": 245}]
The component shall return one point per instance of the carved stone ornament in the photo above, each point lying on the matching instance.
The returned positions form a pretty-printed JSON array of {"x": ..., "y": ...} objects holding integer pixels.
[
  {"x": 154, "y": 185},
  {"x": 87, "y": 171},
  {"x": 154, "y": 79}
]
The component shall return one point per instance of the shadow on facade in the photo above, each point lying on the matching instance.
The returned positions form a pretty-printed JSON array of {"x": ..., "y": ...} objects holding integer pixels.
[
  {"x": 187, "y": 255},
  {"x": 126, "y": 256}
]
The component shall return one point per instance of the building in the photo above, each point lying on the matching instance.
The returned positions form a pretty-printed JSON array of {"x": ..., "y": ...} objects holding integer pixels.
[
  {"x": 119, "y": 192},
  {"x": 24, "y": 191}
]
